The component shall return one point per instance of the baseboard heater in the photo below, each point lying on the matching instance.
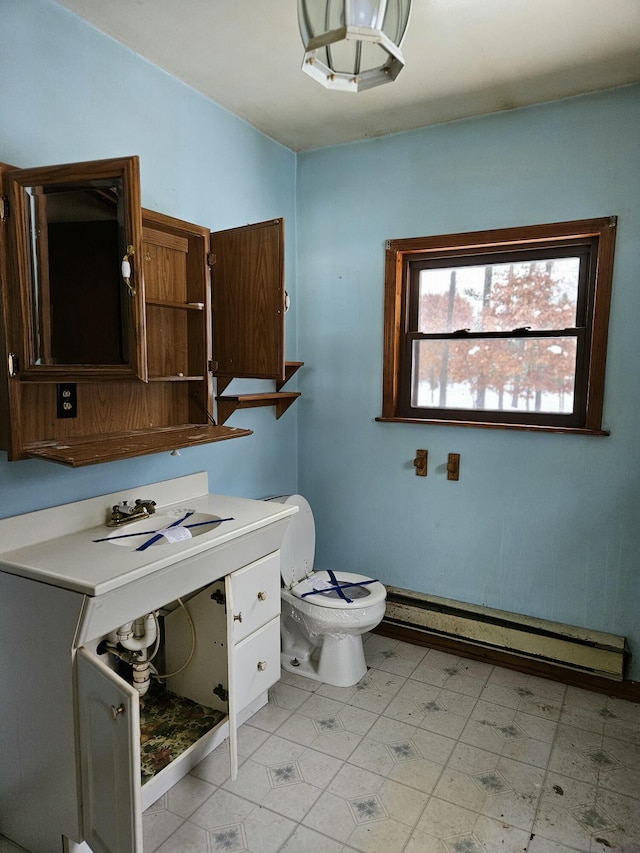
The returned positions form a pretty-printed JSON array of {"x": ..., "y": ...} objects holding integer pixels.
[{"x": 579, "y": 649}]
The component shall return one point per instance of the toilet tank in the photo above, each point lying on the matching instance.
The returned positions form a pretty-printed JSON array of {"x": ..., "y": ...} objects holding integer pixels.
[{"x": 299, "y": 543}]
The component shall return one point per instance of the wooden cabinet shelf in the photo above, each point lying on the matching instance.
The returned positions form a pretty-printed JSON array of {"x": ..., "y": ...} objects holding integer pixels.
[
  {"x": 91, "y": 449},
  {"x": 227, "y": 404},
  {"x": 176, "y": 378},
  {"x": 184, "y": 306},
  {"x": 290, "y": 367}
]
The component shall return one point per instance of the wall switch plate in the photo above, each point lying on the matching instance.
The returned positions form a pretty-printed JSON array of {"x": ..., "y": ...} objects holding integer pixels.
[{"x": 67, "y": 400}]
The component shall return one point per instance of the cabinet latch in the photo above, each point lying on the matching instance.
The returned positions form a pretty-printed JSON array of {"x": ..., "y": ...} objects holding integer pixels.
[
  {"x": 221, "y": 692},
  {"x": 211, "y": 259},
  {"x": 4, "y": 208},
  {"x": 13, "y": 364},
  {"x": 219, "y": 597}
]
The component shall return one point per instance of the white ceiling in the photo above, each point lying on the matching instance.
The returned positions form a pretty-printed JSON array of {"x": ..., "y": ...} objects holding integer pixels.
[{"x": 463, "y": 58}]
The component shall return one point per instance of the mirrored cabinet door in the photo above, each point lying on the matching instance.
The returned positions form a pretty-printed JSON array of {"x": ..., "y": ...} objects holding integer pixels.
[{"x": 75, "y": 274}]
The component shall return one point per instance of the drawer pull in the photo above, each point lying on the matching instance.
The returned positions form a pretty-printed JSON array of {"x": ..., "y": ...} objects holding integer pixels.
[
  {"x": 115, "y": 712},
  {"x": 262, "y": 596},
  {"x": 237, "y": 617},
  {"x": 262, "y": 665}
]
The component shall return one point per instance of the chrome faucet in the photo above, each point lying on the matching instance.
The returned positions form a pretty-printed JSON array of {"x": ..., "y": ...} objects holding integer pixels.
[{"x": 124, "y": 512}]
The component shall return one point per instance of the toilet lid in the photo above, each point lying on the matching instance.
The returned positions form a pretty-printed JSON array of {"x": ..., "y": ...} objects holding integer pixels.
[{"x": 299, "y": 543}]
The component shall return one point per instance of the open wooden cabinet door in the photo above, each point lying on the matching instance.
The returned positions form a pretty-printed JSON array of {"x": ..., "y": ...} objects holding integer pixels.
[
  {"x": 249, "y": 301},
  {"x": 74, "y": 298}
]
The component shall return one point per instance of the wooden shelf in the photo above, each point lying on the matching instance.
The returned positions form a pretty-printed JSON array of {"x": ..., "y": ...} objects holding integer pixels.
[
  {"x": 91, "y": 449},
  {"x": 223, "y": 380},
  {"x": 183, "y": 306},
  {"x": 176, "y": 378},
  {"x": 280, "y": 399},
  {"x": 228, "y": 403}
]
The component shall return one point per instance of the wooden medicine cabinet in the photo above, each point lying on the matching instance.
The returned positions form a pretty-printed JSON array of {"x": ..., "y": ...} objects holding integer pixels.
[{"x": 145, "y": 325}]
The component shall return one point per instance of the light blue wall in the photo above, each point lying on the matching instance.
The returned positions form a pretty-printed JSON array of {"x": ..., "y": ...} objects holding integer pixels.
[
  {"x": 547, "y": 525},
  {"x": 69, "y": 93}
]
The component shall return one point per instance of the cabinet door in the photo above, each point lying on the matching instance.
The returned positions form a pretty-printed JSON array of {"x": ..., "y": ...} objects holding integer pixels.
[
  {"x": 200, "y": 660},
  {"x": 249, "y": 301},
  {"x": 109, "y": 732},
  {"x": 72, "y": 315}
]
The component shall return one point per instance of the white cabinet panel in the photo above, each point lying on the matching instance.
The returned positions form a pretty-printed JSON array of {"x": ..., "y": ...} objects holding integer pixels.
[
  {"x": 207, "y": 659},
  {"x": 109, "y": 734}
]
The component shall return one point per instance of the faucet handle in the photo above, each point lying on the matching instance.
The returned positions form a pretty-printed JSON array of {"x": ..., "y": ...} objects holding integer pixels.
[{"x": 149, "y": 506}]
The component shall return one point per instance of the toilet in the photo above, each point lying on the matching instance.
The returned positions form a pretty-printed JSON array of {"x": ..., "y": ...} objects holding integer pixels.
[{"x": 324, "y": 613}]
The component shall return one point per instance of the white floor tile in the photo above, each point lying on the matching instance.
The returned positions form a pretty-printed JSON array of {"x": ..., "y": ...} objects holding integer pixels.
[
  {"x": 462, "y": 830},
  {"x": 305, "y": 840}
]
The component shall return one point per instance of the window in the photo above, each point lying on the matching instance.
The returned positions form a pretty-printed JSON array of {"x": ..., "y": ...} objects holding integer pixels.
[{"x": 499, "y": 328}]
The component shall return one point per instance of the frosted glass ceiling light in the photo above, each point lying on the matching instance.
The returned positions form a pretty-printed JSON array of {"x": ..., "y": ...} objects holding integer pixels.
[{"x": 353, "y": 45}]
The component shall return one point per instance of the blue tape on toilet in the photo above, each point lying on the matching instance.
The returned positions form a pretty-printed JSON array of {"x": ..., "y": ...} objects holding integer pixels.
[{"x": 337, "y": 587}]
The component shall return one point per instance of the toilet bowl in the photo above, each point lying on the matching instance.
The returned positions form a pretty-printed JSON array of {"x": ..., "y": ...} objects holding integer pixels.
[{"x": 325, "y": 613}]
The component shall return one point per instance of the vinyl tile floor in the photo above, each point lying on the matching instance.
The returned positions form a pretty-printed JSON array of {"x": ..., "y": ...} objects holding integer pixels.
[{"x": 429, "y": 753}]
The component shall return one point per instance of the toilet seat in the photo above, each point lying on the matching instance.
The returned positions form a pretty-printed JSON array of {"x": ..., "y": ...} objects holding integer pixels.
[{"x": 363, "y": 593}]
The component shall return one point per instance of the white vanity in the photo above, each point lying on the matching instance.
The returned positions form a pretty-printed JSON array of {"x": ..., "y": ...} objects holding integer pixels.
[{"x": 70, "y": 726}]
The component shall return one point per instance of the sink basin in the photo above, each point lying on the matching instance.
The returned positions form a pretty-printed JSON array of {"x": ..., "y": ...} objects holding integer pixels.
[{"x": 135, "y": 534}]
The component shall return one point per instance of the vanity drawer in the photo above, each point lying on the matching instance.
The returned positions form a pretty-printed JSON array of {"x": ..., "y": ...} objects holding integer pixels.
[
  {"x": 255, "y": 595},
  {"x": 256, "y": 663}
]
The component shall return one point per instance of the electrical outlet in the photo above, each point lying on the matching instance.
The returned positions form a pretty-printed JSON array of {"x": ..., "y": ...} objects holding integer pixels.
[{"x": 67, "y": 400}]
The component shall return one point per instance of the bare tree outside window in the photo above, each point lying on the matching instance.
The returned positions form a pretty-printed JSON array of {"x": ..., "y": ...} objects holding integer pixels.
[{"x": 497, "y": 374}]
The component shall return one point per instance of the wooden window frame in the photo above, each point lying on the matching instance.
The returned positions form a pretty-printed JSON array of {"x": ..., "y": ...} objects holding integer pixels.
[{"x": 599, "y": 233}]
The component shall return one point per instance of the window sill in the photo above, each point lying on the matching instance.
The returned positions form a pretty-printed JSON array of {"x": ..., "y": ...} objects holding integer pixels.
[{"x": 485, "y": 425}]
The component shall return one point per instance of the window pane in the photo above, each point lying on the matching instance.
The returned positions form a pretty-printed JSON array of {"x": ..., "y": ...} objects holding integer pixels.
[
  {"x": 506, "y": 375},
  {"x": 541, "y": 294}
]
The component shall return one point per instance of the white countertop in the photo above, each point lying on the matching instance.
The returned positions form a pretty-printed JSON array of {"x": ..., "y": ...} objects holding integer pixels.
[{"x": 74, "y": 561}]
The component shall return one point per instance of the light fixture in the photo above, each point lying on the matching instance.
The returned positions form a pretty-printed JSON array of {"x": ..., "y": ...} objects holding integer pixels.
[{"x": 352, "y": 45}]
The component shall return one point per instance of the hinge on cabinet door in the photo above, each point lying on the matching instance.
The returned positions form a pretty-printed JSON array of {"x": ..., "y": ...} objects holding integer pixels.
[
  {"x": 13, "y": 364},
  {"x": 211, "y": 259},
  {"x": 219, "y": 597},
  {"x": 4, "y": 208},
  {"x": 221, "y": 692}
]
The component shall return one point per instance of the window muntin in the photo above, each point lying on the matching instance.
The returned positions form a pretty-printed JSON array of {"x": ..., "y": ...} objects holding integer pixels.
[{"x": 504, "y": 328}]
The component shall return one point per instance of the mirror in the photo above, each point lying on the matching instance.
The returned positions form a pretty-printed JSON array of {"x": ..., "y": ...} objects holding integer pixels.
[{"x": 73, "y": 227}]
